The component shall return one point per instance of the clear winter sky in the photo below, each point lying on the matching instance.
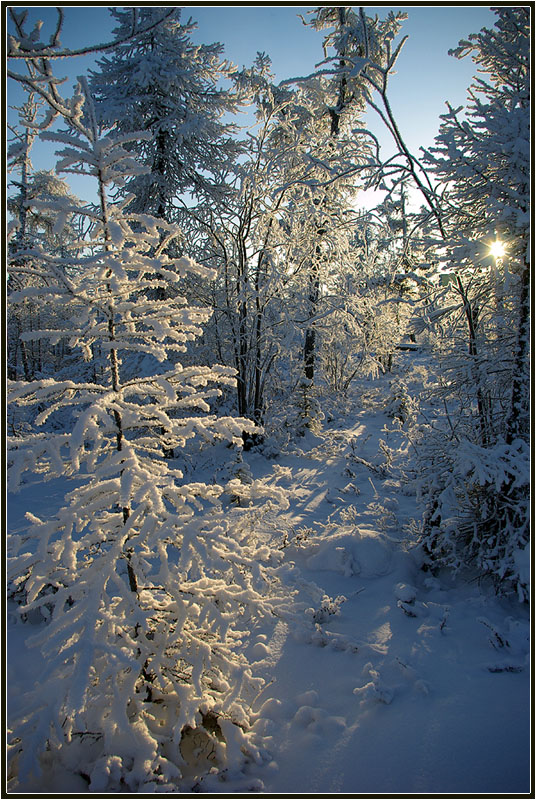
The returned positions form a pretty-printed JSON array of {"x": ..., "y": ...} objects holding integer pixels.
[{"x": 426, "y": 75}]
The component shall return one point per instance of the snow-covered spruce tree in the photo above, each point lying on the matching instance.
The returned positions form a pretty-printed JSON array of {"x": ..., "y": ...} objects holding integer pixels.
[
  {"x": 142, "y": 578},
  {"x": 27, "y": 47},
  {"x": 477, "y": 492},
  {"x": 18, "y": 159},
  {"x": 162, "y": 83}
]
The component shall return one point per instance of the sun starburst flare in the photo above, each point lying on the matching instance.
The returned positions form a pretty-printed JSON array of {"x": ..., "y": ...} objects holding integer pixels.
[{"x": 497, "y": 249}]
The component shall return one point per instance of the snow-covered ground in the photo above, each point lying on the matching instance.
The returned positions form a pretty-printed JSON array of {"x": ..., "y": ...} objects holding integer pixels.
[
  {"x": 408, "y": 686},
  {"x": 388, "y": 679}
]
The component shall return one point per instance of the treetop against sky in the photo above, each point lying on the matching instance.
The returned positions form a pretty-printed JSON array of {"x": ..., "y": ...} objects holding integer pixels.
[{"x": 426, "y": 75}]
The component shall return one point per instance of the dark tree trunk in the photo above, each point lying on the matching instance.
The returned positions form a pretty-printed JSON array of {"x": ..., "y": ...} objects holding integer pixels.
[
  {"x": 309, "y": 348},
  {"x": 518, "y": 419}
]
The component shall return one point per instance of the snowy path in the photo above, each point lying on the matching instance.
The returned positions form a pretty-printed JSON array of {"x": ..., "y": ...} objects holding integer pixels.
[{"x": 402, "y": 687}]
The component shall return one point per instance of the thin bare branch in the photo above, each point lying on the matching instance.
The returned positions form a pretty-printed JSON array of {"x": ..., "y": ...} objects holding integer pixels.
[{"x": 48, "y": 53}]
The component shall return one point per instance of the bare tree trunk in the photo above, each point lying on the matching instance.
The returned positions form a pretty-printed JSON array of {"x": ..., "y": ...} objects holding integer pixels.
[
  {"x": 309, "y": 349},
  {"x": 471, "y": 315},
  {"x": 342, "y": 99},
  {"x": 243, "y": 315},
  {"x": 258, "y": 399},
  {"x": 114, "y": 371}
]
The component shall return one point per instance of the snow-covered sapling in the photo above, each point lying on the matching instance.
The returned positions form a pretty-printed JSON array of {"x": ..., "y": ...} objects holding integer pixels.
[{"x": 142, "y": 576}]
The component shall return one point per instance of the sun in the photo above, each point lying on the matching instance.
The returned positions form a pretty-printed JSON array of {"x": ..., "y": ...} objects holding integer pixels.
[{"x": 497, "y": 249}]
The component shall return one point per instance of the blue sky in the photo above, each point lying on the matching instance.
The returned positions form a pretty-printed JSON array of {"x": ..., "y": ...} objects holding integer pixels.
[{"x": 426, "y": 75}]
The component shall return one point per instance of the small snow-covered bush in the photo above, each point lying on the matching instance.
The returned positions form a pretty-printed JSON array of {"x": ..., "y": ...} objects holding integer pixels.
[
  {"x": 476, "y": 512},
  {"x": 309, "y": 415},
  {"x": 400, "y": 405}
]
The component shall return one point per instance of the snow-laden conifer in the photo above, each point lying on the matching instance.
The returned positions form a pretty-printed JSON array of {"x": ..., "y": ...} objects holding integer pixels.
[
  {"x": 477, "y": 479},
  {"x": 143, "y": 576},
  {"x": 160, "y": 82}
]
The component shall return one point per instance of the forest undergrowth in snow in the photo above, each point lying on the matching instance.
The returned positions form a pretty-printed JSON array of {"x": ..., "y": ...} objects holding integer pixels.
[{"x": 374, "y": 675}]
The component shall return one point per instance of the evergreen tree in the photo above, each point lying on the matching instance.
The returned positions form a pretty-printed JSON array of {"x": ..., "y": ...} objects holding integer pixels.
[
  {"x": 161, "y": 83},
  {"x": 143, "y": 575},
  {"x": 484, "y": 162}
]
